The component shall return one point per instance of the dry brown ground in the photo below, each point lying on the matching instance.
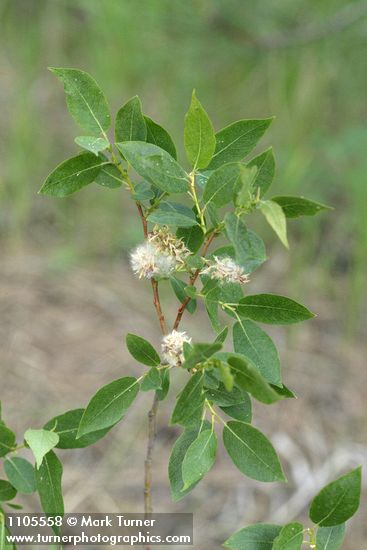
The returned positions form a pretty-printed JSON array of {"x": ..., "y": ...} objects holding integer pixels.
[{"x": 61, "y": 337}]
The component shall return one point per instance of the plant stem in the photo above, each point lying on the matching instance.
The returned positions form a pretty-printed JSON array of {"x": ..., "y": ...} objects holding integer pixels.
[
  {"x": 152, "y": 432},
  {"x": 158, "y": 307}
]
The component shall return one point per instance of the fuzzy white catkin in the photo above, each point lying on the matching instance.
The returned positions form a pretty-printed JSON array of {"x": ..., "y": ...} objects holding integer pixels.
[
  {"x": 172, "y": 347},
  {"x": 147, "y": 261},
  {"x": 226, "y": 270}
]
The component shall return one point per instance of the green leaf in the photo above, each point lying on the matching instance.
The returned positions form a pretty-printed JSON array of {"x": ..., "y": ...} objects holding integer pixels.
[
  {"x": 159, "y": 136},
  {"x": 294, "y": 207},
  {"x": 211, "y": 300},
  {"x": 222, "y": 336},
  {"x": 66, "y": 427},
  {"x": 273, "y": 309},
  {"x": 199, "y": 353},
  {"x": 72, "y": 175},
  {"x": 7, "y": 440},
  {"x": 226, "y": 376},
  {"x": 193, "y": 237},
  {"x": 48, "y": 480},
  {"x": 155, "y": 165},
  {"x": 249, "y": 248},
  {"x": 249, "y": 378},
  {"x": 252, "y": 452},
  {"x": 330, "y": 538},
  {"x": 220, "y": 396},
  {"x": 290, "y": 537},
  {"x": 93, "y": 144},
  {"x": 109, "y": 176},
  {"x": 284, "y": 391},
  {"x": 152, "y": 380},
  {"x": 7, "y": 491},
  {"x": 178, "y": 453},
  {"x": 265, "y": 164},
  {"x": 199, "y": 135},
  {"x": 241, "y": 411},
  {"x": 172, "y": 213},
  {"x": 130, "y": 123},
  {"x": 338, "y": 501},
  {"x": 190, "y": 403},
  {"x": 142, "y": 350},
  {"x": 41, "y": 442},
  {"x": 190, "y": 291},
  {"x": 221, "y": 185},
  {"x": 250, "y": 340},
  {"x": 237, "y": 140},
  {"x": 85, "y": 100},
  {"x": 165, "y": 381},
  {"x": 21, "y": 474},
  {"x": 108, "y": 405},
  {"x": 275, "y": 217},
  {"x": 259, "y": 536},
  {"x": 179, "y": 289},
  {"x": 199, "y": 458},
  {"x": 143, "y": 191}
]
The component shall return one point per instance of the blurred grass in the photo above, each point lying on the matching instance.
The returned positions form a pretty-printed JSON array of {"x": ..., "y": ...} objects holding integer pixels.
[{"x": 234, "y": 54}]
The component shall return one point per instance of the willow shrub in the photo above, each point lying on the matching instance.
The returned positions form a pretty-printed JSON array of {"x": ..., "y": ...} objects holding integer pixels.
[{"x": 183, "y": 214}]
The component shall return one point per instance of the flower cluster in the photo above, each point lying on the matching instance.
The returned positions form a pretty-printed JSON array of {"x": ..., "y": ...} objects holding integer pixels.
[
  {"x": 226, "y": 270},
  {"x": 159, "y": 256},
  {"x": 172, "y": 347}
]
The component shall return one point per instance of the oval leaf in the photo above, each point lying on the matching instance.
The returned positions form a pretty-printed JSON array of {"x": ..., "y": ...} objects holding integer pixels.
[
  {"x": 130, "y": 123},
  {"x": 71, "y": 175},
  {"x": 142, "y": 350},
  {"x": 252, "y": 452},
  {"x": 155, "y": 165},
  {"x": 21, "y": 474},
  {"x": 85, "y": 100},
  {"x": 199, "y": 135},
  {"x": 108, "y": 405},
  {"x": 272, "y": 309},
  {"x": 338, "y": 501},
  {"x": 237, "y": 140}
]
